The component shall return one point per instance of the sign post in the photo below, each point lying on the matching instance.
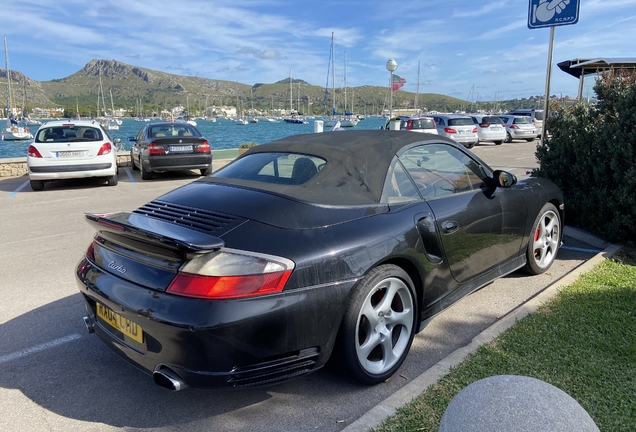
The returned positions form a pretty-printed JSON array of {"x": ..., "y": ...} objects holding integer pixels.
[{"x": 551, "y": 13}]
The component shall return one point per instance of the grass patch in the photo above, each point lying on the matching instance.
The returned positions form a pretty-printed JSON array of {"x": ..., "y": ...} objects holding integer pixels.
[{"x": 583, "y": 342}]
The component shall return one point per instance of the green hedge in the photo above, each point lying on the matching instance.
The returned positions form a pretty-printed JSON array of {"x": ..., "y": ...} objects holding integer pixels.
[{"x": 590, "y": 152}]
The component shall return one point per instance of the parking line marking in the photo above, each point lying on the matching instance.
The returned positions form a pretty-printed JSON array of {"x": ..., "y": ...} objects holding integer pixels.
[
  {"x": 14, "y": 193},
  {"x": 38, "y": 348},
  {"x": 130, "y": 176},
  {"x": 38, "y": 238}
]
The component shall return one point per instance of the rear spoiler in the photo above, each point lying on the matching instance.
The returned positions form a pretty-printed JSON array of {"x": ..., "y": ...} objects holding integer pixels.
[{"x": 153, "y": 230}]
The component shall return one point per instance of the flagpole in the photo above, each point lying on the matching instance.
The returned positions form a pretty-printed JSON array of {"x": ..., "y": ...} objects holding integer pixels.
[{"x": 391, "y": 66}]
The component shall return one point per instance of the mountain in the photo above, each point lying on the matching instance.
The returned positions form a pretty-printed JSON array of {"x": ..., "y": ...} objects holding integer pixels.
[{"x": 159, "y": 90}]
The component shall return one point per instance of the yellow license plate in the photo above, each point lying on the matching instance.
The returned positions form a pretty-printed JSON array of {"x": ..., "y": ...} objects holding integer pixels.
[{"x": 118, "y": 322}]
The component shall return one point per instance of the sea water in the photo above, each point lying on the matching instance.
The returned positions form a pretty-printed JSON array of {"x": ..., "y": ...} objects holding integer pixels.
[{"x": 221, "y": 134}]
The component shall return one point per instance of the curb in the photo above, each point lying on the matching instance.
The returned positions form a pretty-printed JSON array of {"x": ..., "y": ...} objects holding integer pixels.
[{"x": 388, "y": 407}]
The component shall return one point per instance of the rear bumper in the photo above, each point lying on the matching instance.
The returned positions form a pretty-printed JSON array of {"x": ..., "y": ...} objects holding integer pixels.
[
  {"x": 57, "y": 172},
  {"x": 493, "y": 136},
  {"x": 177, "y": 162},
  {"x": 231, "y": 343},
  {"x": 522, "y": 134}
]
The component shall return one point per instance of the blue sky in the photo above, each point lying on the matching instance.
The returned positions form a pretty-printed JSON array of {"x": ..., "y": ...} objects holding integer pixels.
[{"x": 458, "y": 43}]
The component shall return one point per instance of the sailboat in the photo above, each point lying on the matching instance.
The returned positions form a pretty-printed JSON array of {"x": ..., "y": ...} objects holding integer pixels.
[
  {"x": 189, "y": 118},
  {"x": 252, "y": 118},
  {"x": 12, "y": 131},
  {"x": 106, "y": 121},
  {"x": 337, "y": 119},
  {"x": 293, "y": 119},
  {"x": 140, "y": 113},
  {"x": 239, "y": 112},
  {"x": 26, "y": 118}
]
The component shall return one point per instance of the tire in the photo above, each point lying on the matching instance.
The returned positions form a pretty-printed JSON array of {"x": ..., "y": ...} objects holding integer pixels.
[
  {"x": 145, "y": 175},
  {"x": 384, "y": 299},
  {"x": 544, "y": 241},
  {"x": 132, "y": 162},
  {"x": 508, "y": 138},
  {"x": 498, "y": 142},
  {"x": 470, "y": 145},
  {"x": 36, "y": 185},
  {"x": 529, "y": 139},
  {"x": 113, "y": 180},
  {"x": 206, "y": 171}
]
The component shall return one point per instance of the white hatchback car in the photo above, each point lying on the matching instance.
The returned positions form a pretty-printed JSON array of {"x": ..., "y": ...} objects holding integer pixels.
[
  {"x": 415, "y": 124},
  {"x": 69, "y": 149},
  {"x": 519, "y": 127},
  {"x": 418, "y": 124},
  {"x": 457, "y": 127},
  {"x": 490, "y": 128}
]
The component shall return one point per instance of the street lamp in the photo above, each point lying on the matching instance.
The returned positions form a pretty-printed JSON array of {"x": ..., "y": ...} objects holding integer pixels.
[{"x": 391, "y": 66}]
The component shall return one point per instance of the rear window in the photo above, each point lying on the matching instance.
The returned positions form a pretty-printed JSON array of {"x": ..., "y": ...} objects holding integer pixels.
[
  {"x": 522, "y": 120},
  {"x": 174, "y": 130},
  {"x": 276, "y": 168},
  {"x": 461, "y": 122},
  {"x": 66, "y": 133},
  {"x": 491, "y": 120},
  {"x": 422, "y": 124}
]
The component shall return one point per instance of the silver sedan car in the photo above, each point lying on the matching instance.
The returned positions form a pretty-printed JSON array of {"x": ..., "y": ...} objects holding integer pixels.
[
  {"x": 519, "y": 127},
  {"x": 490, "y": 128},
  {"x": 459, "y": 128}
]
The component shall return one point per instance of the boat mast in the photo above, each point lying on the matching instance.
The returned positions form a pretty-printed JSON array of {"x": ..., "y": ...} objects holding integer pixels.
[
  {"x": 345, "y": 83},
  {"x": 291, "y": 102},
  {"x": 417, "y": 89},
  {"x": 101, "y": 92},
  {"x": 8, "y": 89},
  {"x": 112, "y": 105},
  {"x": 333, "y": 77}
]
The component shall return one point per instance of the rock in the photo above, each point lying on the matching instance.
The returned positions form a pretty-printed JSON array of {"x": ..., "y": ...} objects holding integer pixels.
[{"x": 514, "y": 404}]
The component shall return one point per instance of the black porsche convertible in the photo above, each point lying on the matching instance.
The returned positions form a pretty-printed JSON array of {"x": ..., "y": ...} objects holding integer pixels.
[{"x": 337, "y": 244}]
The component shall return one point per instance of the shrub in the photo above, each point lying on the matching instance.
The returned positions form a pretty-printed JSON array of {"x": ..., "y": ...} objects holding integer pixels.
[{"x": 590, "y": 152}]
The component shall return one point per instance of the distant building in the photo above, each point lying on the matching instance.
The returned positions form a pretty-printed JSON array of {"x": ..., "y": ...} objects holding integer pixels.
[{"x": 48, "y": 112}]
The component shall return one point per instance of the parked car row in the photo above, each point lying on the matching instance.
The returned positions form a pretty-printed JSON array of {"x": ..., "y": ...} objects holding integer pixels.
[
  {"x": 71, "y": 149},
  {"x": 471, "y": 129}
]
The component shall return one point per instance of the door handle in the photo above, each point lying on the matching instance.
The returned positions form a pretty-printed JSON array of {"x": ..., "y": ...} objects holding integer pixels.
[{"x": 450, "y": 227}]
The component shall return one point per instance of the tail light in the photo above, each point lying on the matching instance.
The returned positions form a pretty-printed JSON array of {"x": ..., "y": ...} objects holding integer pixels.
[
  {"x": 90, "y": 252},
  {"x": 105, "y": 149},
  {"x": 450, "y": 131},
  {"x": 409, "y": 125},
  {"x": 33, "y": 152},
  {"x": 203, "y": 147},
  {"x": 514, "y": 126},
  {"x": 154, "y": 149},
  {"x": 231, "y": 274},
  {"x": 534, "y": 121},
  {"x": 474, "y": 130}
]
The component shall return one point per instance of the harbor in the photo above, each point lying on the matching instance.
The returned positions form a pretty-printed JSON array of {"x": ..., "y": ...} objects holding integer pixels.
[{"x": 222, "y": 134}]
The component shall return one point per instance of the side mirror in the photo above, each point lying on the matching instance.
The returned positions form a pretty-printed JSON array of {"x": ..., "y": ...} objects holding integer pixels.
[
  {"x": 504, "y": 179},
  {"x": 117, "y": 140}
]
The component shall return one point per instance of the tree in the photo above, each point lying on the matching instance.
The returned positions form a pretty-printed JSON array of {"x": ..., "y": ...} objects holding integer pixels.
[{"x": 590, "y": 152}]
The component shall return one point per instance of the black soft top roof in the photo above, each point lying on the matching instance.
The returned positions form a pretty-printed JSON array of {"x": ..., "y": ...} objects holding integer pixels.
[{"x": 357, "y": 163}]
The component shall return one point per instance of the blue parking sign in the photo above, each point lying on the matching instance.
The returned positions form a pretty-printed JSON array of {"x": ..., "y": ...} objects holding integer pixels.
[{"x": 548, "y": 13}]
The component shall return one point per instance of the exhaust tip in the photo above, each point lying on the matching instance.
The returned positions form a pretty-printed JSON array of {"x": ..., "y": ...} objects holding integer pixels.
[
  {"x": 166, "y": 378},
  {"x": 89, "y": 322}
]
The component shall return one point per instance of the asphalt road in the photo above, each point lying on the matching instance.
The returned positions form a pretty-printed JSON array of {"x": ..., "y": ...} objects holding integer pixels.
[{"x": 54, "y": 376}]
